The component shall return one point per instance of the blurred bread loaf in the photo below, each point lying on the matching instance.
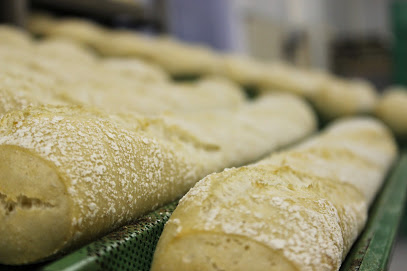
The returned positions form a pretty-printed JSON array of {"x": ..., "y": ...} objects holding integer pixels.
[
  {"x": 392, "y": 110},
  {"x": 338, "y": 97},
  {"x": 287, "y": 78},
  {"x": 332, "y": 96},
  {"x": 174, "y": 57},
  {"x": 59, "y": 70},
  {"x": 83, "y": 31}
]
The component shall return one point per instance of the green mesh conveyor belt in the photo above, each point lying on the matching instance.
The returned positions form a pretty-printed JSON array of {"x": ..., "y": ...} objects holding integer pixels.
[{"x": 129, "y": 248}]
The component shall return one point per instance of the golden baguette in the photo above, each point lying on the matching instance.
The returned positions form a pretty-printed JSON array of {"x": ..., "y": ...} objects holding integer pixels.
[
  {"x": 392, "y": 110},
  {"x": 62, "y": 71},
  {"x": 301, "y": 209}
]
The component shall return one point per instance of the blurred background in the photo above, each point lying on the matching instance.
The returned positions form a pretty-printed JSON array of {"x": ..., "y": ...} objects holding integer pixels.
[{"x": 349, "y": 38}]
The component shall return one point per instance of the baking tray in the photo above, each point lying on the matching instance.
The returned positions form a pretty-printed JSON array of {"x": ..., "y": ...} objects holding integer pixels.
[{"x": 132, "y": 247}]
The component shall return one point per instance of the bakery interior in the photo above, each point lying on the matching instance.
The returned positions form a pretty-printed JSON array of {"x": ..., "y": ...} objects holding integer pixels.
[{"x": 282, "y": 118}]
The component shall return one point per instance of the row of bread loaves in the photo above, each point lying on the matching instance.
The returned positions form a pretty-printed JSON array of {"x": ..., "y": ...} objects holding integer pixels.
[{"x": 71, "y": 174}]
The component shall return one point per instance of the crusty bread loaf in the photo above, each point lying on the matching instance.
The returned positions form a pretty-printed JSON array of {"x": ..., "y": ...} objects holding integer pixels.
[
  {"x": 19, "y": 87},
  {"x": 63, "y": 71},
  {"x": 125, "y": 43},
  {"x": 332, "y": 96},
  {"x": 243, "y": 69},
  {"x": 338, "y": 97},
  {"x": 288, "y": 78},
  {"x": 68, "y": 175},
  {"x": 392, "y": 110},
  {"x": 179, "y": 58},
  {"x": 297, "y": 210},
  {"x": 83, "y": 31},
  {"x": 174, "y": 57},
  {"x": 38, "y": 23}
]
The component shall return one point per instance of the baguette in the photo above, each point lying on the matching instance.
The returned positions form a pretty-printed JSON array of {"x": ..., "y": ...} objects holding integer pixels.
[
  {"x": 87, "y": 80},
  {"x": 242, "y": 69},
  {"x": 40, "y": 23},
  {"x": 332, "y": 97},
  {"x": 71, "y": 174},
  {"x": 392, "y": 110},
  {"x": 338, "y": 97},
  {"x": 174, "y": 57},
  {"x": 287, "y": 78},
  {"x": 179, "y": 58},
  {"x": 83, "y": 31},
  {"x": 301, "y": 209}
]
